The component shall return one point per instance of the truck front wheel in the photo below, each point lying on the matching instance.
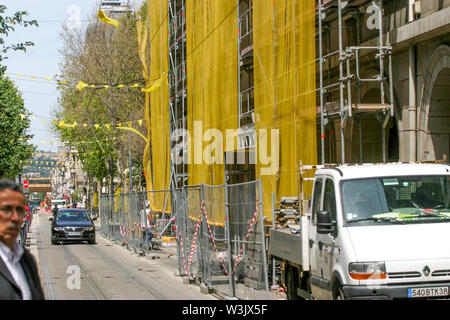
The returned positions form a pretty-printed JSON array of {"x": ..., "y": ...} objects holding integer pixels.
[{"x": 338, "y": 293}]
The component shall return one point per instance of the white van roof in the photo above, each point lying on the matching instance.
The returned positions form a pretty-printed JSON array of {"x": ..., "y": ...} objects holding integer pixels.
[{"x": 385, "y": 170}]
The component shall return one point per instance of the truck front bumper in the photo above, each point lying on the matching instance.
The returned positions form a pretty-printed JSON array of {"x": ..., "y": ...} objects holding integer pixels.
[{"x": 389, "y": 292}]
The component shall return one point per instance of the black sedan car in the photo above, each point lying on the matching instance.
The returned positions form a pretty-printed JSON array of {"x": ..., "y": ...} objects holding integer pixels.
[{"x": 72, "y": 225}]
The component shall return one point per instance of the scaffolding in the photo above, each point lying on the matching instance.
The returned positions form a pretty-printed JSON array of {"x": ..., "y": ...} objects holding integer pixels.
[
  {"x": 246, "y": 100},
  {"x": 345, "y": 63},
  {"x": 178, "y": 92},
  {"x": 245, "y": 74}
]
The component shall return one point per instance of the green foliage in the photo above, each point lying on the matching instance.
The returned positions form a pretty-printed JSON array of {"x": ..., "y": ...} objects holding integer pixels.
[
  {"x": 13, "y": 130},
  {"x": 102, "y": 55},
  {"x": 7, "y": 25}
]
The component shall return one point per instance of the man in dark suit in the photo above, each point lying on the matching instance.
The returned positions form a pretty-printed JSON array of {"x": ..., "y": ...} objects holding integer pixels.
[{"x": 19, "y": 278}]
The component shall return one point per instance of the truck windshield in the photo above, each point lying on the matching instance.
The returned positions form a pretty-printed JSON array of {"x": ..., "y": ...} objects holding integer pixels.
[{"x": 407, "y": 199}]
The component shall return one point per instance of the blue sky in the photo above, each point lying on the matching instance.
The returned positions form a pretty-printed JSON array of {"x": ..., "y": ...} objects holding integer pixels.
[{"x": 42, "y": 60}]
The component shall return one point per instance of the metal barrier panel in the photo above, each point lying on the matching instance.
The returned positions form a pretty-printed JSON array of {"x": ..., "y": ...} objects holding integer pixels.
[
  {"x": 162, "y": 219},
  {"x": 121, "y": 220},
  {"x": 248, "y": 250},
  {"x": 193, "y": 223},
  {"x": 215, "y": 239},
  {"x": 178, "y": 209},
  {"x": 219, "y": 232}
]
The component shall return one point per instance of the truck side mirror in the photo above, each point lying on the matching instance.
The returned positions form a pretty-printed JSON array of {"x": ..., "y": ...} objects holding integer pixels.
[{"x": 325, "y": 223}]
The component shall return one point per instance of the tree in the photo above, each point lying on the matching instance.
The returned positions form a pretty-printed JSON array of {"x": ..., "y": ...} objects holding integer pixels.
[
  {"x": 104, "y": 56},
  {"x": 14, "y": 122},
  {"x": 7, "y": 25}
]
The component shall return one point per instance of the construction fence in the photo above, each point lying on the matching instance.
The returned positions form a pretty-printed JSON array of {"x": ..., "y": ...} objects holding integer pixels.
[
  {"x": 219, "y": 232},
  {"x": 123, "y": 219}
]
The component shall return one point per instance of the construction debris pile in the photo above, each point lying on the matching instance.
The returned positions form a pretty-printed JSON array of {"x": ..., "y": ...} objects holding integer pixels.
[{"x": 288, "y": 214}]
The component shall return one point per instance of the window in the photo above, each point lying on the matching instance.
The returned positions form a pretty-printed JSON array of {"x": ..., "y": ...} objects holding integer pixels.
[
  {"x": 72, "y": 216},
  {"x": 409, "y": 199},
  {"x": 316, "y": 201},
  {"x": 363, "y": 198},
  {"x": 329, "y": 199}
]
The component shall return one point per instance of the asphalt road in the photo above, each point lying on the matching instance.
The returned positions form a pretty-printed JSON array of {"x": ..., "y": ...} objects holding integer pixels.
[{"x": 104, "y": 271}]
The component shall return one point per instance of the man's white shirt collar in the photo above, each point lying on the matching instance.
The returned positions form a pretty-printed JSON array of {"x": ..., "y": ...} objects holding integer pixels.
[
  {"x": 11, "y": 259},
  {"x": 13, "y": 256}
]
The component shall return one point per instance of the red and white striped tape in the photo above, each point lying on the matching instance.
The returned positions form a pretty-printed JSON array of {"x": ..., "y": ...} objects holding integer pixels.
[
  {"x": 212, "y": 239},
  {"x": 194, "y": 241},
  {"x": 183, "y": 255},
  {"x": 123, "y": 233},
  {"x": 246, "y": 236}
]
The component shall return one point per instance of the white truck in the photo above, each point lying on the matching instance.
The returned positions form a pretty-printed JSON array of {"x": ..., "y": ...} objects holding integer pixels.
[{"x": 375, "y": 231}]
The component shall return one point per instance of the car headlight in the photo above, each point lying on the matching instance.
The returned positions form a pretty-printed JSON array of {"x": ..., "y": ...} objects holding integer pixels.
[
  {"x": 367, "y": 270},
  {"x": 89, "y": 229},
  {"x": 58, "y": 229}
]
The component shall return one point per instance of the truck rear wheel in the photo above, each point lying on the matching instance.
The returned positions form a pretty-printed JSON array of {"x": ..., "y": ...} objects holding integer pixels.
[{"x": 292, "y": 283}]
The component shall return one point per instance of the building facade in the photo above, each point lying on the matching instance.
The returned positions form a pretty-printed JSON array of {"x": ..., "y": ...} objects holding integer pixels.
[{"x": 418, "y": 34}]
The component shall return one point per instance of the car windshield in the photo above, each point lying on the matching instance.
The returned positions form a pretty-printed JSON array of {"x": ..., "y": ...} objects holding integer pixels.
[
  {"x": 72, "y": 215},
  {"x": 408, "y": 199}
]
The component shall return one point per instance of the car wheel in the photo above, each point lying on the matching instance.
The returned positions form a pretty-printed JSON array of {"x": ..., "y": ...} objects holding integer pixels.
[
  {"x": 91, "y": 241},
  {"x": 54, "y": 242}
]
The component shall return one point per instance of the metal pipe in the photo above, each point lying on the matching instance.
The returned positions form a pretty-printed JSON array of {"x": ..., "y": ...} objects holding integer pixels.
[
  {"x": 380, "y": 77},
  {"x": 322, "y": 130},
  {"x": 383, "y": 141},
  {"x": 263, "y": 240},
  {"x": 239, "y": 64},
  {"x": 341, "y": 87},
  {"x": 381, "y": 50},
  {"x": 274, "y": 274},
  {"x": 349, "y": 84},
  {"x": 232, "y": 292}
]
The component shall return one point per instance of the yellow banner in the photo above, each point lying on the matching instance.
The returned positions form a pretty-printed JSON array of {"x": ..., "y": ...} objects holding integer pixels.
[{"x": 103, "y": 18}]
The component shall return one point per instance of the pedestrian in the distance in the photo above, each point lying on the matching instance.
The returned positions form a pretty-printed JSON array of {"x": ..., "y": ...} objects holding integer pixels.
[
  {"x": 146, "y": 224},
  {"x": 19, "y": 278},
  {"x": 28, "y": 217},
  {"x": 55, "y": 211}
]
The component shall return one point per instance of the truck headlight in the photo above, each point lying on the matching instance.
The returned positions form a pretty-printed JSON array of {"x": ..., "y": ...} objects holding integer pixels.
[
  {"x": 58, "y": 228},
  {"x": 367, "y": 270},
  {"x": 89, "y": 229}
]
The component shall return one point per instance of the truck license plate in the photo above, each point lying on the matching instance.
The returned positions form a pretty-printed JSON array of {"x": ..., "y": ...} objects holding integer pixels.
[
  {"x": 74, "y": 233},
  {"x": 427, "y": 292}
]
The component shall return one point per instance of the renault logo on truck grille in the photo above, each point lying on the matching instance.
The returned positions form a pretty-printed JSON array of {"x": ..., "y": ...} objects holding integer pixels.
[{"x": 426, "y": 271}]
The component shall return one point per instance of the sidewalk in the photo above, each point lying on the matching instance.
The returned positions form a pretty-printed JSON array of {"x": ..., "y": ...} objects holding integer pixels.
[
  {"x": 32, "y": 241},
  {"x": 167, "y": 254}
]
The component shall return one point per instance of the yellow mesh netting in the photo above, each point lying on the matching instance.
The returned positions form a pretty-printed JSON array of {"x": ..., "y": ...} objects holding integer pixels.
[
  {"x": 284, "y": 70},
  {"x": 143, "y": 40},
  {"x": 159, "y": 106},
  {"x": 211, "y": 54},
  {"x": 284, "y": 73}
]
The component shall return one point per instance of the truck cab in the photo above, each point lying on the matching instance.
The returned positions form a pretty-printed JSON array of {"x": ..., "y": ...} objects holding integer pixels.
[{"x": 375, "y": 232}]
